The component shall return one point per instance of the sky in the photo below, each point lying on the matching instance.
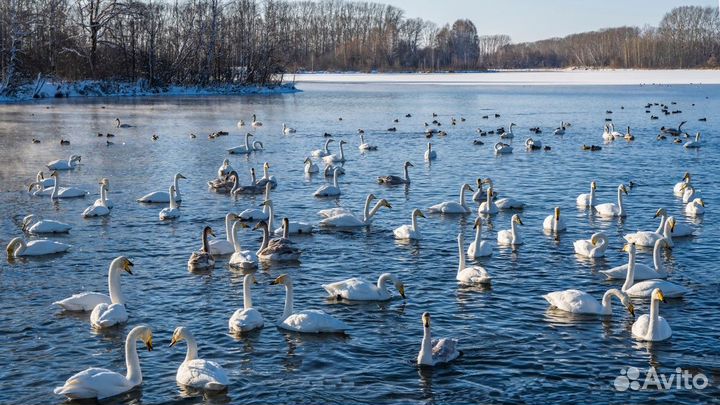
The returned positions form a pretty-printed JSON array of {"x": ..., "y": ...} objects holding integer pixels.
[{"x": 531, "y": 20}]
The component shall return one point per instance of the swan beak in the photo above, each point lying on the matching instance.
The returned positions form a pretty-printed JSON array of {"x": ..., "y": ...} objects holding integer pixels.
[
  {"x": 594, "y": 186},
  {"x": 212, "y": 233},
  {"x": 631, "y": 309},
  {"x": 127, "y": 266},
  {"x": 180, "y": 176},
  {"x": 470, "y": 188},
  {"x": 401, "y": 290},
  {"x": 410, "y": 164},
  {"x": 148, "y": 344},
  {"x": 625, "y": 190},
  {"x": 672, "y": 226},
  {"x": 519, "y": 221},
  {"x": 426, "y": 319},
  {"x": 626, "y": 248},
  {"x": 701, "y": 203},
  {"x": 387, "y": 204},
  {"x": 279, "y": 280},
  {"x": 657, "y": 213},
  {"x": 421, "y": 215},
  {"x": 172, "y": 342},
  {"x": 661, "y": 296}
]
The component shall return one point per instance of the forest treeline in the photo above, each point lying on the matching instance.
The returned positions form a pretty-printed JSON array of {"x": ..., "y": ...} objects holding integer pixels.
[{"x": 207, "y": 42}]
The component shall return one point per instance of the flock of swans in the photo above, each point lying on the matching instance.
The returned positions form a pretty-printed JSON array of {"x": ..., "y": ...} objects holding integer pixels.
[{"x": 641, "y": 281}]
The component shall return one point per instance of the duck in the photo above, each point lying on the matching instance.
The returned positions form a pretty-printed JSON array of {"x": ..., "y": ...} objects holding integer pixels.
[
  {"x": 243, "y": 259},
  {"x": 62, "y": 141},
  {"x": 502, "y": 148},
  {"x": 306, "y": 321},
  {"x": 357, "y": 289},
  {"x": 479, "y": 247},
  {"x": 255, "y": 123},
  {"x": 648, "y": 238},
  {"x": 100, "y": 383},
  {"x": 336, "y": 158},
  {"x": 277, "y": 249},
  {"x": 69, "y": 164},
  {"x": 32, "y": 225},
  {"x": 511, "y": 236},
  {"x": 643, "y": 289},
  {"x": 118, "y": 124},
  {"x": 430, "y": 154},
  {"x": 310, "y": 167},
  {"x": 695, "y": 208},
  {"x": 393, "y": 180},
  {"x": 329, "y": 190},
  {"x": 612, "y": 210},
  {"x": 593, "y": 247},
  {"x": 580, "y": 302},
  {"x": 18, "y": 247},
  {"x": 242, "y": 149},
  {"x": 288, "y": 130},
  {"x": 435, "y": 352},
  {"x": 693, "y": 144},
  {"x": 642, "y": 271},
  {"x": 98, "y": 210},
  {"x": 652, "y": 327},
  {"x": 222, "y": 247},
  {"x": 325, "y": 151},
  {"x": 343, "y": 218},
  {"x": 364, "y": 146},
  {"x": 453, "y": 207},
  {"x": 410, "y": 232},
  {"x": 553, "y": 223},
  {"x": 247, "y": 318},
  {"x": 587, "y": 199},
  {"x": 87, "y": 301},
  {"x": 469, "y": 274},
  {"x": 509, "y": 133},
  {"x": 202, "y": 259},
  {"x": 173, "y": 211},
  {"x": 194, "y": 372},
  {"x": 161, "y": 197}
]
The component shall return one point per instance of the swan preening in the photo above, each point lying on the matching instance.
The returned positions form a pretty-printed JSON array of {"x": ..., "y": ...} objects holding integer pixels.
[
  {"x": 652, "y": 327},
  {"x": 102, "y": 383},
  {"x": 202, "y": 259},
  {"x": 307, "y": 321},
  {"x": 164, "y": 196},
  {"x": 612, "y": 210},
  {"x": 19, "y": 247},
  {"x": 453, "y": 207},
  {"x": 410, "y": 232},
  {"x": 68, "y": 164},
  {"x": 502, "y": 148},
  {"x": 695, "y": 208},
  {"x": 194, "y": 372},
  {"x": 247, "y": 318},
  {"x": 343, "y": 218},
  {"x": 434, "y": 352},
  {"x": 87, "y": 301},
  {"x": 392, "y": 179},
  {"x": 644, "y": 289},
  {"x": 580, "y": 302},
  {"x": 356, "y": 289},
  {"x": 31, "y": 224},
  {"x": 469, "y": 274},
  {"x": 593, "y": 247}
]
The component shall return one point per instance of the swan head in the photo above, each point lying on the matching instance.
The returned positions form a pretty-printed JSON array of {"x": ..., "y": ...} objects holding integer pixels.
[
  {"x": 417, "y": 213},
  {"x": 208, "y": 231},
  {"x": 260, "y": 225},
  {"x": 686, "y": 176},
  {"x": 266, "y": 203},
  {"x": 26, "y": 221},
  {"x": 625, "y": 300},
  {"x": 401, "y": 288},
  {"x": 385, "y": 203},
  {"x": 408, "y": 164},
  {"x": 426, "y": 319},
  {"x": 145, "y": 334},
  {"x": 658, "y": 295},
  {"x": 226, "y": 162},
  {"x": 593, "y": 185},
  {"x": 266, "y": 165},
  {"x": 699, "y": 201},
  {"x": 629, "y": 248},
  {"x": 467, "y": 187},
  {"x": 181, "y": 333},
  {"x": 74, "y": 158},
  {"x": 282, "y": 279},
  {"x": 124, "y": 263},
  {"x": 516, "y": 219},
  {"x": 672, "y": 223},
  {"x": 55, "y": 174},
  {"x": 104, "y": 181},
  {"x": 180, "y": 176},
  {"x": 478, "y": 223},
  {"x": 33, "y": 185},
  {"x": 557, "y": 213},
  {"x": 10, "y": 249},
  {"x": 660, "y": 212}
]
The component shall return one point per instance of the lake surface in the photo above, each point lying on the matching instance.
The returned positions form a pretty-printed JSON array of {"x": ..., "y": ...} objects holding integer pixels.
[{"x": 516, "y": 350}]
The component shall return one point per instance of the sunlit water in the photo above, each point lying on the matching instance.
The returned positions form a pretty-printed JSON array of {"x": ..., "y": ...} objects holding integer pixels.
[{"x": 515, "y": 349}]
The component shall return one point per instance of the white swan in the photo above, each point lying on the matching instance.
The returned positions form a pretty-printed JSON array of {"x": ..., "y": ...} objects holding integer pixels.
[
  {"x": 356, "y": 289},
  {"x": 325, "y": 151},
  {"x": 607, "y": 135},
  {"x": 588, "y": 199},
  {"x": 554, "y": 223},
  {"x": 336, "y": 158},
  {"x": 255, "y": 123},
  {"x": 434, "y": 352},
  {"x": 310, "y": 167},
  {"x": 652, "y": 327},
  {"x": 648, "y": 238},
  {"x": 488, "y": 206},
  {"x": 364, "y": 146},
  {"x": 32, "y": 225},
  {"x": 502, "y": 148},
  {"x": 689, "y": 193},
  {"x": 642, "y": 271},
  {"x": 328, "y": 190},
  {"x": 101, "y": 209},
  {"x": 61, "y": 164},
  {"x": 453, "y": 207},
  {"x": 593, "y": 247},
  {"x": 240, "y": 124},
  {"x": 644, "y": 289},
  {"x": 430, "y": 154},
  {"x": 298, "y": 228},
  {"x": 392, "y": 179},
  {"x": 344, "y": 218},
  {"x": 64, "y": 192},
  {"x": 329, "y": 170},
  {"x": 242, "y": 149},
  {"x": 247, "y": 318},
  {"x": 244, "y": 259},
  {"x": 220, "y": 247},
  {"x": 679, "y": 188},
  {"x": 469, "y": 274},
  {"x": 277, "y": 249},
  {"x": 39, "y": 247},
  {"x": 680, "y": 230},
  {"x": 202, "y": 259},
  {"x": 40, "y": 178},
  {"x": 164, "y": 196},
  {"x": 561, "y": 129},
  {"x": 479, "y": 248},
  {"x": 509, "y": 204},
  {"x": 410, "y": 232},
  {"x": 533, "y": 144},
  {"x": 509, "y": 133},
  {"x": 87, "y": 301},
  {"x": 511, "y": 236},
  {"x": 580, "y": 302},
  {"x": 266, "y": 178},
  {"x": 102, "y": 383},
  {"x": 255, "y": 214},
  {"x": 104, "y": 194},
  {"x": 693, "y": 144},
  {"x": 106, "y": 315},
  {"x": 307, "y": 321},
  {"x": 171, "y": 212},
  {"x": 614, "y": 133},
  {"x": 288, "y": 130},
  {"x": 224, "y": 169},
  {"x": 612, "y": 210},
  {"x": 194, "y": 372},
  {"x": 695, "y": 208},
  {"x": 480, "y": 195}
]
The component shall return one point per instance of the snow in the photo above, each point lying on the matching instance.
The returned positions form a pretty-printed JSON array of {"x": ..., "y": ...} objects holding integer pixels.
[{"x": 526, "y": 77}]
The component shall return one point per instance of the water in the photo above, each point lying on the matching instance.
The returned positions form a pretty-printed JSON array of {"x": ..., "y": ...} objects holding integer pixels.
[{"x": 515, "y": 349}]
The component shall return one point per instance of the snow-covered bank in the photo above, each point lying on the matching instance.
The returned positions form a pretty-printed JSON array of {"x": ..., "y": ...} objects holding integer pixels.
[
  {"x": 526, "y": 77},
  {"x": 42, "y": 89}
]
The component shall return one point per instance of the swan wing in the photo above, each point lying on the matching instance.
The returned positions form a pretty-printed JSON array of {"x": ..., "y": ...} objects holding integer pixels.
[
  {"x": 343, "y": 220},
  {"x": 203, "y": 374},
  {"x": 105, "y": 316},
  {"x": 642, "y": 272},
  {"x": 244, "y": 320},
  {"x": 44, "y": 247},
  {"x": 640, "y": 326},
  {"x": 156, "y": 197},
  {"x": 574, "y": 301},
  {"x": 643, "y": 238},
  {"x": 94, "y": 383},
  {"x": 356, "y": 289},
  {"x": 444, "y": 350},
  {"x": 86, "y": 301},
  {"x": 313, "y": 321}
]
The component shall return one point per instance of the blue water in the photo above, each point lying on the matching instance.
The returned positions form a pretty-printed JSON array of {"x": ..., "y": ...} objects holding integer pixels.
[{"x": 516, "y": 350}]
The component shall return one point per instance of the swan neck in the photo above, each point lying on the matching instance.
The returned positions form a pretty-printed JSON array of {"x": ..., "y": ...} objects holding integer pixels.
[
  {"x": 661, "y": 228},
  {"x": 247, "y": 298},
  {"x": 513, "y": 230},
  {"x": 478, "y": 231},
  {"x": 288, "y": 310},
  {"x": 366, "y": 210},
  {"x": 265, "y": 239},
  {"x": 56, "y": 188},
  {"x": 233, "y": 237},
  {"x": 132, "y": 361},
  {"x": 461, "y": 261},
  {"x": 116, "y": 296},
  {"x": 462, "y": 196},
  {"x": 270, "y": 214},
  {"x": 407, "y": 174},
  {"x": 620, "y": 202},
  {"x": 630, "y": 276},
  {"x": 228, "y": 228},
  {"x": 205, "y": 244},
  {"x": 414, "y": 222},
  {"x": 247, "y": 140},
  {"x": 657, "y": 260},
  {"x": 654, "y": 314},
  {"x": 192, "y": 350},
  {"x": 173, "y": 203},
  {"x": 335, "y": 178},
  {"x": 176, "y": 184},
  {"x": 592, "y": 196},
  {"x": 425, "y": 356},
  {"x": 342, "y": 152}
]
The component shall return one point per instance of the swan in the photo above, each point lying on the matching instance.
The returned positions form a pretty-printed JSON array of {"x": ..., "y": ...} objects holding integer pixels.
[
  {"x": 251, "y": 188},
  {"x": 31, "y": 225},
  {"x": 240, "y": 258},
  {"x": 39, "y": 247},
  {"x": 98, "y": 210},
  {"x": 511, "y": 236},
  {"x": 300, "y": 228},
  {"x": 254, "y": 214},
  {"x": 120, "y": 125},
  {"x": 453, "y": 207},
  {"x": 612, "y": 210},
  {"x": 87, "y": 301},
  {"x": 693, "y": 144},
  {"x": 509, "y": 133},
  {"x": 308, "y": 321},
  {"x": 331, "y": 212},
  {"x": 277, "y": 249},
  {"x": 509, "y": 204},
  {"x": 593, "y": 247},
  {"x": 258, "y": 146},
  {"x": 580, "y": 302},
  {"x": 328, "y": 190},
  {"x": 171, "y": 212},
  {"x": 480, "y": 195},
  {"x": 629, "y": 136},
  {"x": 648, "y": 238},
  {"x": 588, "y": 199},
  {"x": 561, "y": 129},
  {"x": 345, "y": 219},
  {"x": 202, "y": 259},
  {"x": 288, "y": 130},
  {"x": 318, "y": 153},
  {"x": 614, "y": 133},
  {"x": 488, "y": 206},
  {"x": 40, "y": 178},
  {"x": 61, "y": 164},
  {"x": 225, "y": 169},
  {"x": 643, "y": 289},
  {"x": 689, "y": 193},
  {"x": 695, "y": 207},
  {"x": 679, "y": 188},
  {"x": 220, "y": 247},
  {"x": 329, "y": 170},
  {"x": 197, "y": 373},
  {"x": 104, "y": 194},
  {"x": 410, "y": 232},
  {"x": 336, "y": 158},
  {"x": 255, "y": 123},
  {"x": 226, "y": 184},
  {"x": 607, "y": 135},
  {"x": 479, "y": 248},
  {"x": 554, "y": 223},
  {"x": 364, "y": 146},
  {"x": 64, "y": 192},
  {"x": 434, "y": 352},
  {"x": 502, "y": 148},
  {"x": 532, "y": 144},
  {"x": 106, "y": 315},
  {"x": 680, "y": 230},
  {"x": 430, "y": 154},
  {"x": 102, "y": 383},
  {"x": 240, "y": 124},
  {"x": 673, "y": 131},
  {"x": 247, "y": 318},
  {"x": 652, "y": 327},
  {"x": 642, "y": 271},
  {"x": 242, "y": 149},
  {"x": 310, "y": 167},
  {"x": 164, "y": 196},
  {"x": 471, "y": 274},
  {"x": 266, "y": 178},
  {"x": 356, "y": 289},
  {"x": 392, "y": 179}
]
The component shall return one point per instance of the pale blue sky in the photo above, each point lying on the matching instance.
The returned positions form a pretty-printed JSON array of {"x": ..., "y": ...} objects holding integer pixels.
[{"x": 530, "y": 20}]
